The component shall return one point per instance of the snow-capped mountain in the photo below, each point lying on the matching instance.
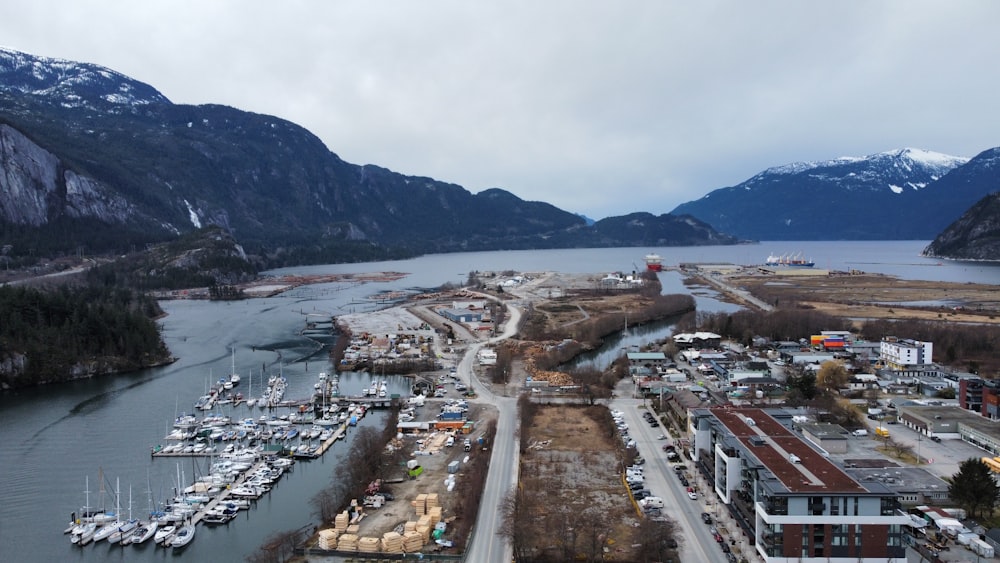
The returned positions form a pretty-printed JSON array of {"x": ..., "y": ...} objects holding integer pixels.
[
  {"x": 87, "y": 151},
  {"x": 72, "y": 84},
  {"x": 889, "y": 195}
]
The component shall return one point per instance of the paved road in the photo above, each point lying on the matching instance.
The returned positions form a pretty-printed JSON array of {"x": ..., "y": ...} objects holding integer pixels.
[
  {"x": 696, "y": 543},
  {"x": 486, "y": 545}
]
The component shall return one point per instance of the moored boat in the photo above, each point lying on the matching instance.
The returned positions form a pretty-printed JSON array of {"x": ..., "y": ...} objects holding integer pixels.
[
  {"x": 164, "y": 534},
  {"x": 654, "y": 262},
  {"x": 183, "y": 537},
  {"x": 144, "y": 532},
  {"x": 789, "y": 261}
]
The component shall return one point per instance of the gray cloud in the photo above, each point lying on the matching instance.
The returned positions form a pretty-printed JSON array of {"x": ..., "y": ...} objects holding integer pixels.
[{"x": 596, "y": 107}]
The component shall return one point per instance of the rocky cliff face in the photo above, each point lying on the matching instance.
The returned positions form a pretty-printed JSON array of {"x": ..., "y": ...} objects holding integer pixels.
[
  {"x": 974, "y": 236},
  {"x": 37, "y": 188}
]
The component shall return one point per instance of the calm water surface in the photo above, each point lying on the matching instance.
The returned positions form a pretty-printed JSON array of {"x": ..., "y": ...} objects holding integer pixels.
[{"x": 54, "y": 438}]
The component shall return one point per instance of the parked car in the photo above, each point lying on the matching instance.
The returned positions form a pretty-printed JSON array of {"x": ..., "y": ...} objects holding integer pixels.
[
  {"x": 692, "y": 495},
  {"x": 706, "y": 517}
]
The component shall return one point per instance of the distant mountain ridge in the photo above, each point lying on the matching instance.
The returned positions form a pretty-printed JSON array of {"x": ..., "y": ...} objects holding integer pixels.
[
  {"x": 91, "y": 153},
  {"x": 905, "y": 194}
]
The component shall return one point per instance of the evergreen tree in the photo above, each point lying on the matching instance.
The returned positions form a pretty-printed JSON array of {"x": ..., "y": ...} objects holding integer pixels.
[{"x": 974, "y": 488}]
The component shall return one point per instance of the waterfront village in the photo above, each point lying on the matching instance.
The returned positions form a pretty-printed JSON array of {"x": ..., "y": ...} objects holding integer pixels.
[{"x": 697, "y": 420}]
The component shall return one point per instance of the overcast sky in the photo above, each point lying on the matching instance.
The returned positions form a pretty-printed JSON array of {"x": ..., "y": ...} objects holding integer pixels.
[{"x": 601, "y": 108}]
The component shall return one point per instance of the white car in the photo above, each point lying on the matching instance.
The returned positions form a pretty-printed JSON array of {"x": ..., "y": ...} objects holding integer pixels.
[{"x": 692, "y": 495}]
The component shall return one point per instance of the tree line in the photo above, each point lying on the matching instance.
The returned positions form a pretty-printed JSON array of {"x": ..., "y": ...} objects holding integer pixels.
[{"x": 68, "y": 332}]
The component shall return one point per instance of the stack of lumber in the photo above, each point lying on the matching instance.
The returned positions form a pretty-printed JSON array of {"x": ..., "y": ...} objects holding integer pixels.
[
  {"x": 392, "y": 543},
  {"x": 421, "y": 504},
  {"x": 435, "y": 514},
  {"x": 347, "y": 542},
  {"x": 424, "y": 527},
  {"x": 412, "y": 542},
  {"x": 341, "y": 521},
  {"x": 328, "y": 539},
  {"x": 369, "y": 545},
  {"x": 431, "y": 502}
]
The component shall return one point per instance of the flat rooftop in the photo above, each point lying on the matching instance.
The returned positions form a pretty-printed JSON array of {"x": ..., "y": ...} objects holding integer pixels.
[
  {"x": 955, "y": 413},
  {"x": 773, "y": 444}
]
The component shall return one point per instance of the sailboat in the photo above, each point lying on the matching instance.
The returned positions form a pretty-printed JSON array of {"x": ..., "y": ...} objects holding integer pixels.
[
  {"x": 106, "y": 530},
  {"x": 123, "y": 533},
  {"x": 234, "y": 378},
  {"x": 147, "y": 528},
  {"x": 251, "y": 400}
]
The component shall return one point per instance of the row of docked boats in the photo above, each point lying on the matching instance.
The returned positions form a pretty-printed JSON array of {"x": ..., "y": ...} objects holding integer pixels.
[
  {"x": 215, "y": 499},
  {"x": 377, "y": 389},
  {"x": 216, "y": 434}
]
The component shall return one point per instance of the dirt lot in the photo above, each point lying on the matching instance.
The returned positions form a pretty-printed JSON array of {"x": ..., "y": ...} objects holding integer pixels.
[
  {"x": 571, "y": 471},
  {"x": 430, "y": 451},
  {"x": 876, "y": 296}
]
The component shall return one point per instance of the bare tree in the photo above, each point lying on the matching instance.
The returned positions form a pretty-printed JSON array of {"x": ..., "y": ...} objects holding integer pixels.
[{"x": 658, "y": 540}]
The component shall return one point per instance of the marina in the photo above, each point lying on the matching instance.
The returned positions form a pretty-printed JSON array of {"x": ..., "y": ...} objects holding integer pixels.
[{"x": 247, "y": 457}]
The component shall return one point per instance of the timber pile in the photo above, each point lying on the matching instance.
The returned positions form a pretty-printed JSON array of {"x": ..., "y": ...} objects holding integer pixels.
[
  {"x": 435, "y": 515},
  {"x": 424, "y": 527},
  {"x": 420, "y": 504},
  {"x": 392, "y": 543},
  {"x": 347, "y": 542},
  {"x": 554, "y": 378},
  {"x": 341, "y": 521},
  {"x": 328, "y": 539},
  {"x": 412, "y": 542},
  {"x": 369, "y": 545}
]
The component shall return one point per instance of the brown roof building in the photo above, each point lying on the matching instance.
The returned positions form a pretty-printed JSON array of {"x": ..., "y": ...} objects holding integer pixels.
[{"x": 793, "y": 502}]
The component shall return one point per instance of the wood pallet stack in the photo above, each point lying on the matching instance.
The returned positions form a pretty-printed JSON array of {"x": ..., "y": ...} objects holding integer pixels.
[
  {"x": 424, "y": 527},
  {"x": 431, "y": 501},
  {"x": 341, "y": 521},
  {"x": 369, "y": 545},
  {"x": 347, "y": 542},
  {"x": 328, "y": 539},
  {"x": 412, "y": 542},
  {"x": 420, "y": 504},
  {"x": 435, "y": 514},
  {"x": 392, "y": 543}
]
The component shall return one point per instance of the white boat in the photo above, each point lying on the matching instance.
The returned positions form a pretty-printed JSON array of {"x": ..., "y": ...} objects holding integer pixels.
[
  {"x": 124, "y": 532},
  {"x": 144, "y": 532},
  {"x": 183, "y": 537},
  {"x": 106, "y": 530},
  {"x": 84, "y": 533},
  {"x": 234, "y": 378},
  {"x": 164, "y": 534}
]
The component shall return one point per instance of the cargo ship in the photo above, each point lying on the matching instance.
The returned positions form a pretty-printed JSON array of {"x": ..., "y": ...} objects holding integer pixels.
[
  {"x": 796, "y": 261},
  {"x": 654, "y": 263}
]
